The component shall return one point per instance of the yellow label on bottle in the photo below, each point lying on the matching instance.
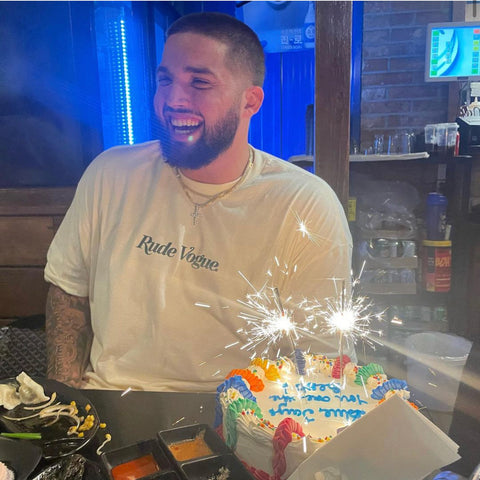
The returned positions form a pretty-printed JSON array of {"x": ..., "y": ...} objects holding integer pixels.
[{"x": 352, "y": 209}]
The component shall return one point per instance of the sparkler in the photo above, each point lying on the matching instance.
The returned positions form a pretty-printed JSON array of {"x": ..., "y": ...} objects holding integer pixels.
[
  {"x": 127, "y": 390},
  {"x": 304, "y": 230},
  {"x": 345, "y": 315},
  {"x": 268, "y": 321}
]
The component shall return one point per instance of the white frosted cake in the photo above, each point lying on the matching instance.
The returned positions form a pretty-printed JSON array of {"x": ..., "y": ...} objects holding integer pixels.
[{"x": 274, "y": 414}]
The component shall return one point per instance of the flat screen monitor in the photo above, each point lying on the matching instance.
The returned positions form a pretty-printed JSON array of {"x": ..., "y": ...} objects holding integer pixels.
[{"x": 452, "y": 52}]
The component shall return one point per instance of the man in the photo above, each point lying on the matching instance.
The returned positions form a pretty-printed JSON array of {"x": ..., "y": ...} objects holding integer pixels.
[{"x": 163, "y": 239}]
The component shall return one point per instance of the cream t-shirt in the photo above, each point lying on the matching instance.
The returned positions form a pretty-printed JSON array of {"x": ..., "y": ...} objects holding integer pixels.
[{"x": 163, "y": 292}]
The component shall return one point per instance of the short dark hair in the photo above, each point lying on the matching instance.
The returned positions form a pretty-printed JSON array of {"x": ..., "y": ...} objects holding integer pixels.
[{"x": 244, "y": 47}]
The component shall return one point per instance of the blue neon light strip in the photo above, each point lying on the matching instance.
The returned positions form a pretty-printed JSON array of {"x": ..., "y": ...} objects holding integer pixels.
[
  {"x": 126, "y": 116},
  {"x": 126, "y": 83}
]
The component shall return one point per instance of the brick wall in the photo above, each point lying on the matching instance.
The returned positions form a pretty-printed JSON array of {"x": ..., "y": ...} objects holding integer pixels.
[{"x": 395, "y": 97}]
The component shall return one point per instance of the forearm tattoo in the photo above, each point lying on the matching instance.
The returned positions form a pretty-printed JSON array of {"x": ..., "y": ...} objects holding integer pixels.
[{"x": 68, "y": 336}]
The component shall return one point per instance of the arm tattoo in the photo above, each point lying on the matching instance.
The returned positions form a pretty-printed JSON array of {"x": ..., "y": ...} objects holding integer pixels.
[{"x": 68, "y": 336}]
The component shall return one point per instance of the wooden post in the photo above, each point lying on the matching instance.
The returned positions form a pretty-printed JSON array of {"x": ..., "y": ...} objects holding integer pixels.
[
  {"x": 458, "y": 15},
  {"x": 332, "y": 94}
]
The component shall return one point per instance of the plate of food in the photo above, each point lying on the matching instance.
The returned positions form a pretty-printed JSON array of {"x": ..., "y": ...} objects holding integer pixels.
[{"x": 50, "y": 414}]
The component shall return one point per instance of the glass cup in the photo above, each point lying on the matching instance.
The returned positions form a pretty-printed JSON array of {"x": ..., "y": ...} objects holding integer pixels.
[
  {"x": 401, "y": 143},
  {"x": 441, "y": 137},
  {"x": 452, "y": 129},
  {"x": 430, "y": 138},
  {"x": 393, "y": 144},
  {"x": 406, "y": 142},
  {"x": 378, "y": 144}
]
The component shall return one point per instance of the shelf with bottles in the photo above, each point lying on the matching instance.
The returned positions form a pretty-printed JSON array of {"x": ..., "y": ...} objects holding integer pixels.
[
  {"x": 391, "y": 288},
  {"x": 388, "y": 264},
  {"x": 371, "y": 182},
  {"x": 409, "y": 313},
  {"x": 417, "y": 317}
]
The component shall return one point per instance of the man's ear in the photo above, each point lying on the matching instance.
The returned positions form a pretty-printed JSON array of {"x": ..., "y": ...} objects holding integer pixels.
[{"x": 253, "y": 100}]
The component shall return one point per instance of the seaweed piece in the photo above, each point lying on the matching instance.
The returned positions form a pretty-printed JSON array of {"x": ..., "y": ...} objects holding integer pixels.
[{"x": 68, "y": 468}]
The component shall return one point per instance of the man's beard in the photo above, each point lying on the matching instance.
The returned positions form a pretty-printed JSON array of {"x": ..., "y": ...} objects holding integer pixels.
[{"x": 206, "y": 149}]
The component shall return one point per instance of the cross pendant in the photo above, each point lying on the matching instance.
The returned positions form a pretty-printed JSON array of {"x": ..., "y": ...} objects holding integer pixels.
[{"x": 195, "y": 214}]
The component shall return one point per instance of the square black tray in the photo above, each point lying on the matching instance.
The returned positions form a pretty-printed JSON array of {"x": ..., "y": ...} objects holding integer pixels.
[
  {"x": 126, "y": 454},
  {"x": 190, "y": 432}
]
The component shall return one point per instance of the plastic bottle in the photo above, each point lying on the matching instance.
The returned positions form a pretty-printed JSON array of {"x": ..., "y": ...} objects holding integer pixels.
[
  {"x": 436, "y": 216},
  {"x": 309, "y": 27}
]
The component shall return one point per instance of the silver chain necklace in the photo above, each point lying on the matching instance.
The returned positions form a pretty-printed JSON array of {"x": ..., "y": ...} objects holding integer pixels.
[{"x": 213, "y": 198}]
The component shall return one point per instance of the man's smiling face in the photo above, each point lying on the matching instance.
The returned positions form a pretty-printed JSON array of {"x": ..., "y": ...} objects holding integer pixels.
[{"x": 198, "y": 100}]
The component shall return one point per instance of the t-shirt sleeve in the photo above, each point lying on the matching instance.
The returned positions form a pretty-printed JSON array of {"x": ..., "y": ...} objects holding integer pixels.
[
  {"x": 330, "y": 250},
  {"x": 69, "y": 257},
  {"x": 320, "y": 245},
  {"x": 318, "y": 249}
]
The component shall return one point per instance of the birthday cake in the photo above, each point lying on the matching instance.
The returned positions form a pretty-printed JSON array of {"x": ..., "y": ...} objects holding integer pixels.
[{"x": 276, "y": 413}]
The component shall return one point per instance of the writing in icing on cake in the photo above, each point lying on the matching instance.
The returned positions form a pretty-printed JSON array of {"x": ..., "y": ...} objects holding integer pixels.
[{"x": 304, "y": 397}]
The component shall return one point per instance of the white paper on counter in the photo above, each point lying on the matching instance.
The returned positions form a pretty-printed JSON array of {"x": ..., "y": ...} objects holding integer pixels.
[{"x": 393, "y": 441}]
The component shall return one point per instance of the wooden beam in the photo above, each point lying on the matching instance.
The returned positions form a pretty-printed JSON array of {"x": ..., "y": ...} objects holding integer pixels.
[
  {"x": 29, "y": 218},
  {"x": 23, "y": 292},
  {"x": 332, "y": 94},
  {"x": 35, "y": 201},
  {"x": 25, "y": 239}
]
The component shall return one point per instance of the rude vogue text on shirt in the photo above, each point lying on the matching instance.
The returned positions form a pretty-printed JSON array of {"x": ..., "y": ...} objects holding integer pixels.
[{"x": 188, "y": 254}]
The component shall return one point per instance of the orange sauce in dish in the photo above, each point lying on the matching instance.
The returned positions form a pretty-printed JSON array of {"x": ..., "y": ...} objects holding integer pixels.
[
  {"x": 138, "y": 468},
  {"x": 189, "y": 449}
]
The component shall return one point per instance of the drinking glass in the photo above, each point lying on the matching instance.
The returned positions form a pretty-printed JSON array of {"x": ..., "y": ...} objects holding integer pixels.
[{"x": 378, "y": 144}]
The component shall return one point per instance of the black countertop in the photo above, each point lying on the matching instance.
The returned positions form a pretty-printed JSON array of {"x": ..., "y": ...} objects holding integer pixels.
[{"x": 136, "y": 416}]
